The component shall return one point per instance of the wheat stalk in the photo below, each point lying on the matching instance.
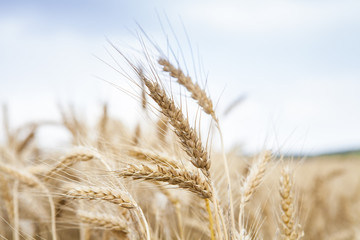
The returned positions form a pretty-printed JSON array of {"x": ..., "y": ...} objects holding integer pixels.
[
  {"x": 143, "y": 90},
  {"x": 137, "y": 135}
]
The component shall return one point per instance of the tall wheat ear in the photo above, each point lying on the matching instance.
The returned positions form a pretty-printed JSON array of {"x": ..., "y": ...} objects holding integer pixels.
[
  {"x": 289, "y": 227},
  {"x": 251, "y": 183},
  {"x": 205, "y": 102},
  {"x": 189, "y": 139}
]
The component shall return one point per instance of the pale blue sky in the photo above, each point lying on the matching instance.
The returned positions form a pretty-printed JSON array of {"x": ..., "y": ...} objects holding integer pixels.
[{"x": 298, "y": 62}]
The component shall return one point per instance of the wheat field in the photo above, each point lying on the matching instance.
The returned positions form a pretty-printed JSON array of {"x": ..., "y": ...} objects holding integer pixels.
[{"x": 163, "y": 179}]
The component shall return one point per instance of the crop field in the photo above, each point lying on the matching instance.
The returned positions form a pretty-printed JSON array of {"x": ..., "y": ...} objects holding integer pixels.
[{"x": 162, "y": 178}]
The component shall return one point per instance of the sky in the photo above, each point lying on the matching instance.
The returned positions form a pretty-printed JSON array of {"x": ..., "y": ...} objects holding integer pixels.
[{"x": 296, "y": 62}]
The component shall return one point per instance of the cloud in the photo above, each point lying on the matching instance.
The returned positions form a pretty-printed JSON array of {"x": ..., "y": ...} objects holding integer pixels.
[
  {"x": 272, "y": 16},
  {"x": 302, "y": 89}
]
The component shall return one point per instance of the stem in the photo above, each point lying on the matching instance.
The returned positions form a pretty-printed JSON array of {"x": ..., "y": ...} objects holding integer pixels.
[
  {"x": 179, "y": 220},
  {"x": 217, "y": 214},
  {"x": 222, "y": 221},
  {"x": 227, "y": 172},
  {"x": 52, "y": 210},
  {"x": 16, "y": 211},
  {"x": 241, "y": 217},
  {"x": 147, "y": 230},
  {"x": 211, "y": 222}
]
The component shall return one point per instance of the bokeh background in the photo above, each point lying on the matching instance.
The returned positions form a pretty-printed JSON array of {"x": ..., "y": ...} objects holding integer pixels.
[{"x": 295, "y": 63}]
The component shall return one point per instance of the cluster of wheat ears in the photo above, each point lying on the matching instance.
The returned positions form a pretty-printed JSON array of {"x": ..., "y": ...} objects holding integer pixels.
[{"x": 165, "y": 183}]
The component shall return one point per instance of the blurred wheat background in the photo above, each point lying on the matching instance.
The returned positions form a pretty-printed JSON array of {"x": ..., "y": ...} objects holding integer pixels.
[{"x": 255, "y": 134}]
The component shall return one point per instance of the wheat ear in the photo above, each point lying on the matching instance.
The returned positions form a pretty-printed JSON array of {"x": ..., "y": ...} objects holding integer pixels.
[
  {"x": 112, "y": 195},
  {"x": 68, "y": 161},
  {"x": 27, "y": 140},
  {"x": 184, "y": 179},
  {"x": 197, "y": 93},
  {"x": 188, "y": 137},
  {"x": 20, "y": 175},
  {"x": 289, "y": 226},
  {"x": 252, "y": 182},
  {"x": 103, "y": 220},
  {"x": 152, "y": 157}
]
